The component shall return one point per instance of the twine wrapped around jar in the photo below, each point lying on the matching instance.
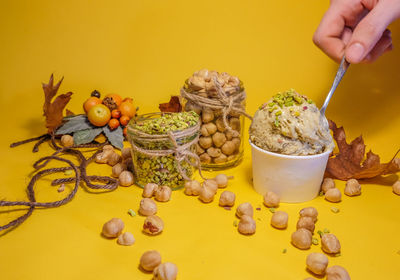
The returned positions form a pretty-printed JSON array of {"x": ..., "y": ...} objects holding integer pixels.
[{"x": 224, "y": 102}]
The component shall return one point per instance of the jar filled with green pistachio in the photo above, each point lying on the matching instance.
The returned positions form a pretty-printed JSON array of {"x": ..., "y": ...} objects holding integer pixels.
[
  {"x": 220, "y": 100},
  {"x": 163, "y": 146}
]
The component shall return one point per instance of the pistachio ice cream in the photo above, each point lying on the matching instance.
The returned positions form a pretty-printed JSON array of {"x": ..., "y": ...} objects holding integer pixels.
[{"x": 290, "y": 124}]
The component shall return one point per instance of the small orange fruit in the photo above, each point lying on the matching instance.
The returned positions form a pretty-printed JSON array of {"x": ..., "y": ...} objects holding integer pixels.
[
  {"x": 113, "y": 124},
  {"x": 128, "y": 99},
  {"x": 125, "y": 131},
  {"x": 127, "y": 108},
  {"x": 99, "y": 115},
  {"x": 116, "y": 114},
  {"x": 117, "y": 98},
  {"x": 124, "y": 120},
  {"x": 90, "y": 102}
]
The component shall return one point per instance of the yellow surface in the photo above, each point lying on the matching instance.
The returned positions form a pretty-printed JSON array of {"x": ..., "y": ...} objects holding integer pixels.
[{"x": 146, "y": 49}]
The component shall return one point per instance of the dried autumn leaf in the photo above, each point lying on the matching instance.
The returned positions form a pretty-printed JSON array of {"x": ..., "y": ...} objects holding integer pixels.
[
  {"x": 350, "y": 163},
  {"x": 53, "y": 111},
  {"x": 173, "y": 106}
]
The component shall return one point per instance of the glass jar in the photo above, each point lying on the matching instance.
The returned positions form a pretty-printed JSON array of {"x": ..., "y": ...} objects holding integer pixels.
[
  {"x": 155, "y": 152},
  {"x": 218, "y": 147}
]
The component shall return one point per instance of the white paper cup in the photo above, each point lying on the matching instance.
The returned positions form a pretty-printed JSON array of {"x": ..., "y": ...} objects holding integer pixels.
[{"x": 293, "y": 178}]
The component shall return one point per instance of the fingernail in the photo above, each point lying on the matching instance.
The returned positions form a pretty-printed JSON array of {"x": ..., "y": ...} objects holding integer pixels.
[{"x": 355, "y": 53}]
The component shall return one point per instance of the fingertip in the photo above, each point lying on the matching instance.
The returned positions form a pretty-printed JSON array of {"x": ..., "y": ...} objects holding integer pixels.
[{"x": 355, "y": 53}]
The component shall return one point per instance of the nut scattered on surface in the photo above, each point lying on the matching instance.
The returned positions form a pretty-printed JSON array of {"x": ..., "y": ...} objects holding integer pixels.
[
  {"x": 337, "y": 272},
  {"x": 317, "y": 263},
  {"x": 244, "y": 209},
  {"x": 165, "y": 271},
  {"x": 211, "y": 185},
  {"x": 113, "y": 159},
  {"x": 206, "y": 195},
  {"x": 126, "y": 239},
  {"x": 147, "y": 207},
  {"x": 113, "y": 228},
  {"x": 396, "y": 187},
  {"x": 247, "y": 225},
  {"x": 309, "y": 212},
  {"x": 150, "y": 260},
  {"x": 302, "y": 239},
  {"x": 221, "y": 180},
  {"x": 117, "y": 169},
  {"x": 271, "y": 199},
  {"x": 153, "y": 225},
  {"x": 104, "y": 155},
  {"x": 327, "y": 184},
  {"x": 307, "y": 223},
  {"x": 330, "y": 244},
  {"x": 227, "y": 198},
  {"x": 67, "y": 140},
  {"x": 149, "y": 189},
  {"x": 333, "y": 195},
  {"x": 192, "y": 187},
  {"x": 126, "y": 178},
  {"x": 352, "y": 188},
  {"x": 279, "y": 219},
  {"x": 163, "y": 193},
  {"x": 126, "y": 153}
]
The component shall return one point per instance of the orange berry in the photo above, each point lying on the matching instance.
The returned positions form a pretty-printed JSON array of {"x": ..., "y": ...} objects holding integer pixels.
[
  {"x": 125, "y": 131},
  {"x": 99, "y": 115},
  {"x": 116, "y": 114},
  {"x": 124, "y": 120},
  {"x": 127, "y": 108},
  {"x": 90, "y": 102},
  {"x": 117, "y": 98},
  {"x": 113, "y": 124}
]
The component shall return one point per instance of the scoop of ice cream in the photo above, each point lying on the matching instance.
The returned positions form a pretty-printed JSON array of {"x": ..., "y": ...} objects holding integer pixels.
[{"x": 290, "y": 124}]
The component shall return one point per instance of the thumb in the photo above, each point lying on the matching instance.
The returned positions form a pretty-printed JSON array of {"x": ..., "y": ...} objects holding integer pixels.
[{"x": 368, "y": 32}]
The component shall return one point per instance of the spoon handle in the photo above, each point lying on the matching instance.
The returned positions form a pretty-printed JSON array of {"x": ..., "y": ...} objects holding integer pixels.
[{"x": 339, "y": 75}]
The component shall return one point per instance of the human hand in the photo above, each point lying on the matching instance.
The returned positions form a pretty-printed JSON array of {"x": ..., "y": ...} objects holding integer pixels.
[{"x": 357, "y": 29}]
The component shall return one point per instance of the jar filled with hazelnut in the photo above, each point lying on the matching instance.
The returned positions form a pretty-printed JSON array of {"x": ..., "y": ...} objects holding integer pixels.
[{"x": 220, "y": 100}]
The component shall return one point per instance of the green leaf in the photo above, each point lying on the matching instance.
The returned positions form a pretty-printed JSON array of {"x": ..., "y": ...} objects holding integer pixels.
[
  {"x": 116, "y": 136},
  {"x": 75, "y": 123},
  {"x": 86, "y": 136}
]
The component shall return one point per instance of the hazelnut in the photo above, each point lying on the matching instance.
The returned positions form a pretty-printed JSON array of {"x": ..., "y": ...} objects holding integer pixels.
[
  {"x": 214, "y": 152},
  {"x": 129, "y": 163},
  {"x": 227, "y": 198},
  {"x": 220, "y": 125},
  {"x": 199, "y": 150},
  {"x": 126, "y": 239},
  {"x": 205, "y": 142},
  {"x": 206, "y": 195},
  {"x": 244, "y": 209},
  {"x": 189, "y": 106},
  {"x": 271, "y": 199},
  {"x": 327, "y": 184},
  {"x": 67, "y": 140},
  {"x": 333, "y": 195},
  {"x": 208, "y": 129},
  {"x": 228, "y": 135},
  {"x": 352, "y": 188},
  {"x": 113, "y": 159},
  {"x": 231, "y": 157},
  {"x": 149, "y": 189},
  {"x": 126, "y": 178},
  {"x": 330, "y": 244},
  {"x": 309, "y": 212},
  {"x": 317, "y": 263},
  {"x": 108, "y": 148},
  {"x": 163, "y": 193},
  {"x": 113, "y": 228},
  {"x": 205, "y": 158},
  {"x": 196, "y": 82},
  {"x": 221, "y": 159},
  {"x": 228, "y": 148},
  {"x": 204, "y": 73},
  {"x": 302, "y": 238},
  {"x": 207, "y": 115},
  {"x": 117, "y": 169},
  {"x": 192, "y": 187},
  {"x": 307, "y": 223},
  {"x": 234, "y": 123},
  {"x": 165, "y": 271},
  {"x": 337, "y": 272},
  {"x": 280, "y": 220},
  {"x": 218, "y": 139},
  {"x": 147, "y": 207},
  {"x": 234, "y": 81},
  {"x": 126, "y": 153},
  {"x": 221, "y": 180},
  {"x": 103, "y": 156},
  {"x": 153, "y": 225},
  {"x": 396, "y": 187},
  {"x": 211, "y": 185},
  {"x": 247, "y": 225},
  {"x": 236, "y": 141},
  {"x": 150, "y": 260}
]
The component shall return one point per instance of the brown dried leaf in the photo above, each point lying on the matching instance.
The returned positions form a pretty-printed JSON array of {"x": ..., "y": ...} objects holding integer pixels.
[
  {"x": 53, "y": 111},
  {"x": 173, "y": 106},
  {"x": 349, "y": 162}
]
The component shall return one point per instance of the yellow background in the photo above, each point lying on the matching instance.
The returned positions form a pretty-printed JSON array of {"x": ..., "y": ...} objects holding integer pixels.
[{"x": 146, "y": 49}]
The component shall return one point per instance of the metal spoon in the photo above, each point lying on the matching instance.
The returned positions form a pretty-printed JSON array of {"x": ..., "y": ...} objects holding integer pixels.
[{"x": 339, "y": 75}]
